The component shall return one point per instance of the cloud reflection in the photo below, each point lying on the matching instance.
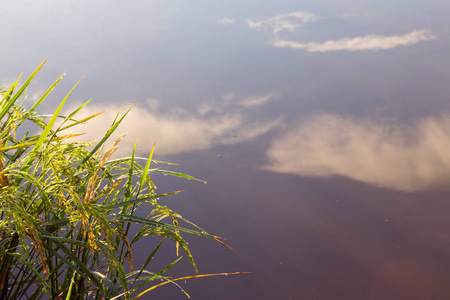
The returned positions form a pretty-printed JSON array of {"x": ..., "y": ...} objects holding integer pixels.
[
  {"x": 368, "y": 42},
  {"x": 251, "y": 101},
  {"x": 393, "y": 156},
  {"x": 289, "y": 21},
  {"x": 175, "y": 131},
  {"x": 292, "y": 21}
]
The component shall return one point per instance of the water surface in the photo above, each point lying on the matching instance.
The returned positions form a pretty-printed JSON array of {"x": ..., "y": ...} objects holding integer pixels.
[{"x": 322, "y": 129}]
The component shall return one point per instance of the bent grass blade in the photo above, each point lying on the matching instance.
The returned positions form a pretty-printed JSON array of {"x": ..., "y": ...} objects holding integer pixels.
[{"x": 188, "y": 277}]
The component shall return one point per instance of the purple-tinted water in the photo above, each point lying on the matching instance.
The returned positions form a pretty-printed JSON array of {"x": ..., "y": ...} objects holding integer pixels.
[{"x": 315, "y": 239}]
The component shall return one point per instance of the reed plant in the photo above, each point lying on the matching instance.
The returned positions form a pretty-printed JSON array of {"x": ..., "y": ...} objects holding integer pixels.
[{"x": 69, "y": 212}]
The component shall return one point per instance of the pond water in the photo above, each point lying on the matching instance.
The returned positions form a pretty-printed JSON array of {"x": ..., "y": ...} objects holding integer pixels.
[{"x": 322, "y": 129}]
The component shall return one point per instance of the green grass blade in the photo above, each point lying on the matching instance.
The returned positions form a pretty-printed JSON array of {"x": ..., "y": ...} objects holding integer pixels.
[
  {"x": 156, "y": 276},
  {"x": 177, "y": 174},
  {"x": 189, "y": 277},
  {"x": 108, "y": 282},
  {"x": 69, "y": 292},
  {"x": 49, "y": 126},
  {"x": 44, "y": 285},
  {"x": 139, "y": 220},
  {"x": 129, "y": 182},
  {"x": 5, "y": 104},
  {"x": 107, "y": 135},
  {"x": 20, "y": 91},
  {"x": 73, "y": 113},
  {"x": 126, "y": 203},
  {"x": 44, "y": 96},
  {"x": 22, "y": 145},
  {"x": 81, "y": 121},
  {"x": 77, "y": 265},
  {"x": 149, "y": 258},
  {"x": 147, "y": 166}
]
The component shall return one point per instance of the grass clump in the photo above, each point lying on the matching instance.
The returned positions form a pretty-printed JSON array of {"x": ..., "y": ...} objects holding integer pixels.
[{"x": 66, "y": 209}]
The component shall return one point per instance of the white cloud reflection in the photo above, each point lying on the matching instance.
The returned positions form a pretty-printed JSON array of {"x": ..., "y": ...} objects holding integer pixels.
[
  {"x": 368, "y": 42},
  {"x": 175, "y": 131},
  {"x": 251, "y": 101},
  {"x": 393, "y": 156},
  {"x": 289, "y": 21},
  {"x": 292, "y": 21}
]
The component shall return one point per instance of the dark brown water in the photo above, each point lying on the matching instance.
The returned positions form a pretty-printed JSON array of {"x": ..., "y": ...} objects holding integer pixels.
[{"x": 322, "y": 128}]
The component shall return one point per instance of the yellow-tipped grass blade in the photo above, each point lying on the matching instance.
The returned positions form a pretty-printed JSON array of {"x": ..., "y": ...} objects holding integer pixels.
[{"x": 188, "y": 277}]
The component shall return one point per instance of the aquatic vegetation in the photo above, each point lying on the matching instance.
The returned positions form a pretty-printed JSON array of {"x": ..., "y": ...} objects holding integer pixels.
[{"x": 69, "y": 212}]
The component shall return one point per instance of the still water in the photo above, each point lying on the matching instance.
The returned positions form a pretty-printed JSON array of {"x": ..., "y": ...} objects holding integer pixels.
[{"x": 322, "y": 129}]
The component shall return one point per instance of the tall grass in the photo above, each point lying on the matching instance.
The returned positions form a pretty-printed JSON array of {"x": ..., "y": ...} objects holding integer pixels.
[{"x": 67, "y": 209}]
